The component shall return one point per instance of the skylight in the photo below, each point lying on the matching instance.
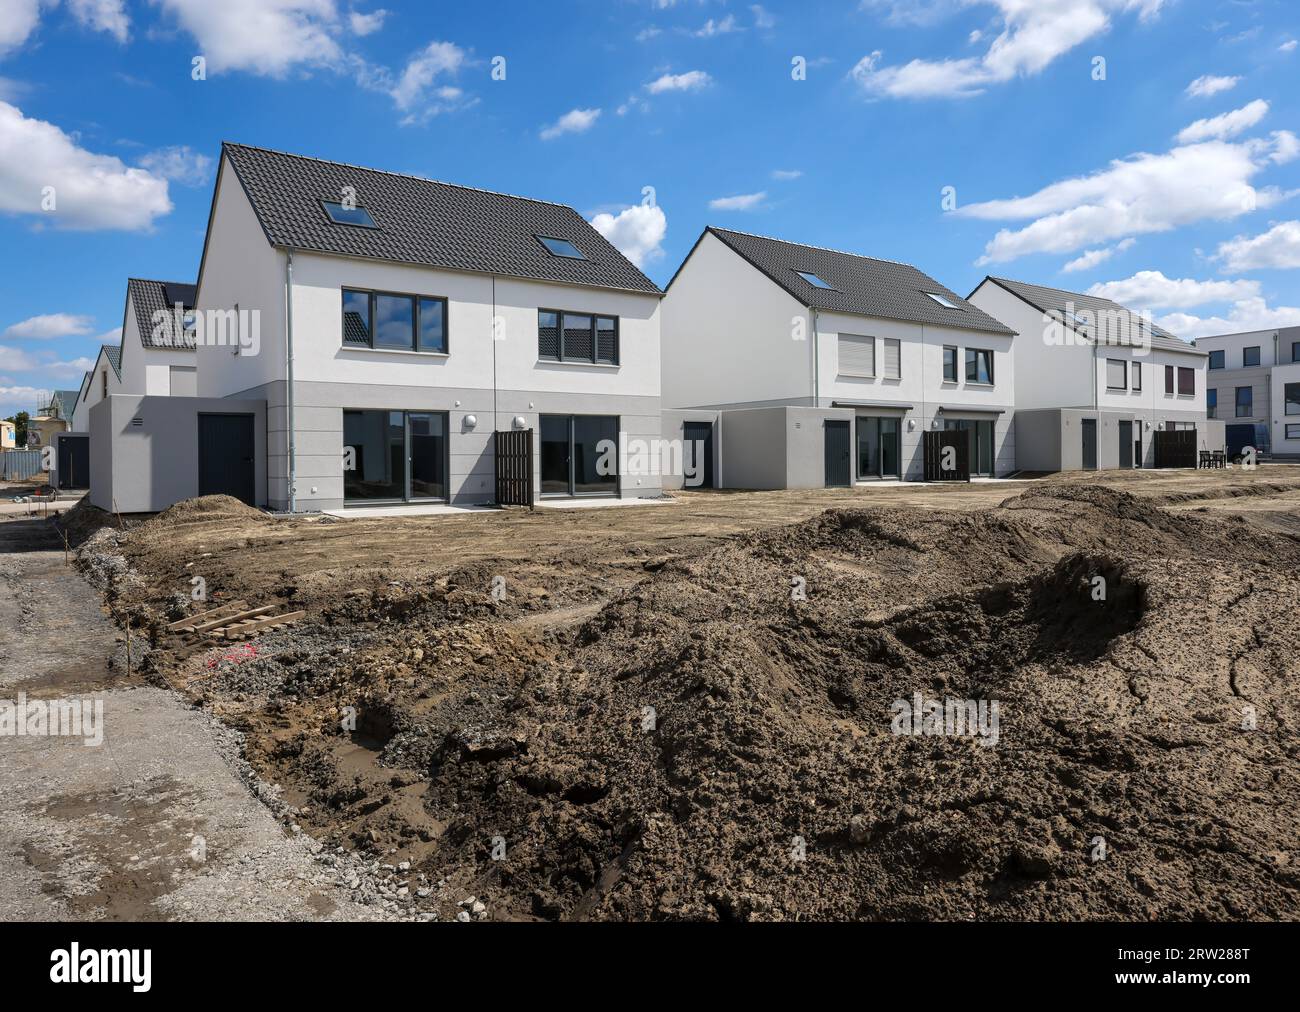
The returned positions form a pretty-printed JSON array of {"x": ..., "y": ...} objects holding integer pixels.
[
  {"x": 942, "y": 301},
  {"x": 560, "y": 247},
  {"x": 341, "y": 215},
  {"x": 814, "y": 280}
]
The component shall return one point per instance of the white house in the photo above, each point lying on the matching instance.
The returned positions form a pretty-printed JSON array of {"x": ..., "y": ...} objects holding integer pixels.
[
  {"x": 1253, "y": 384},
  {"x": 799, "y": 367},
  {"x": 390, "y": 325},
  {"x": 103, "y": 380},
  {"x": 1094, "y": 380}
]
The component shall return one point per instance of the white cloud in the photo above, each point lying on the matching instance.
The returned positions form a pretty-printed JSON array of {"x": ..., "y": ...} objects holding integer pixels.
[
  {"x": 763, "y": 20},
  {"x": 740, "y": 202},
  {"x": 1033, "y": 36},
  {"x": 1249, "y": 314},
  {"x": 1230, "y": 124},
  {"x": 49, "y": 325},
  {"x": 1279, "y": 248},
  {"x": 575, "y": 121},
  {"x": 103, "y": 16},
  {"x": 367, "y": 24},
  {"x": 1094, "y": 257},
  {"x": 646, "y": 34},
  {"x": 786, "y": 174},
  {"x": 1288, "y": 46},
  {"x": 711, "y": 28},
  {"x": 692, "y": 80},
  {"x": 1145, "y": 193},
  {"x": 417, "y": 91},
  {"x": 179, "y": 163},
  {"x": 267, "y": 37},
  {"x": 15, "y": 398},
  {"x": 18, "y": 360},
  {"x": 637, "y": 231},
  {"x": 1207, "y": 85},
  {"x": 90, "y": 191},
  {"x": 17, "y": 22},
  {"x": 1152, "y": 290}
]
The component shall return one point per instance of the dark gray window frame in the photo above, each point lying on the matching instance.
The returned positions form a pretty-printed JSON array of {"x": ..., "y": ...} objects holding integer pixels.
[
  {"x": 974, "y": 363},
  {"x": 1211, "y": 402},
  {"x": 1136, "y": 373},
  {"x": 1169, "y": 380},
  {"x": 415, "y": 348},
  {"x": 1185, "y": 372},
  {"x": 1250, "y": 402},
  {"x": 325, "y": 208},
  {"x": 1221, "y": 357},
  {"x": 1122, "y": 363},
  {"x": 595, "y": 337},
  {"x": 1289, "y": 399},
  {"x": 541, "y": 238},
  {"x": 1295, "y": 351},
  {"x": 1245, "y": 357},
  {"x": 1286, "y": 432},
  {"x": 954, "y": 377}
]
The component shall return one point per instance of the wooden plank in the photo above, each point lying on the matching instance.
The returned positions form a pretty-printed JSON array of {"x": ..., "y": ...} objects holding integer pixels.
[
  {"x": 261, "y": 625},
  {"x": 237, "y": 617},
  {"x": 212, "y": 613}
]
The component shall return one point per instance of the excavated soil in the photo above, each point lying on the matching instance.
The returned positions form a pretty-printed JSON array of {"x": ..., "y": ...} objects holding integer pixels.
[{"x": 704, "y": 727}]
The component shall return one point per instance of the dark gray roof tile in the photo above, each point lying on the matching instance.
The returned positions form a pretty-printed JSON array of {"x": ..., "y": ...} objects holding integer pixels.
[{"x": 150, "y": 297}]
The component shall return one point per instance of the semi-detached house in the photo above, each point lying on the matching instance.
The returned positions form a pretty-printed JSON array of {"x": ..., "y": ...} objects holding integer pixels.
[
  {"x": 802, "y": 367},
  {"x": 400, "y": 322},
  {"x": 1253, "y": 387}
]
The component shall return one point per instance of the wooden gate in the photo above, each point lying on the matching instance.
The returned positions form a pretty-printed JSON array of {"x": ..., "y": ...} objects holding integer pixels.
[
  {"x": 1175, "y": 449},
  {"x": 935, "y": 443},
  {"x": 514, "y": 468}
]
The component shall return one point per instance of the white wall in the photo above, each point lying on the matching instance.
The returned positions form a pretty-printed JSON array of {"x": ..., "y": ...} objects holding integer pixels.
[
  {"x": 1283, "y": 375},
  {"x": 729, "y": 335},
  {"x": 1232, "y": 346}
]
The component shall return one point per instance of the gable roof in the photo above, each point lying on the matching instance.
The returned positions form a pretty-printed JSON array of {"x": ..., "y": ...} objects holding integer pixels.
[
  {"x": 860, "y": 285},
  {"x": 113, "y": 353},
  {"x": 1056, "y": 301},
  {"x": 422, "y": 221},
  {"x": 150, "y": 297},
  {"x": 65, "y": 401}
]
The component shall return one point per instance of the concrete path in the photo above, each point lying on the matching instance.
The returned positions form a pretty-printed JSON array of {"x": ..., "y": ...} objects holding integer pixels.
[{"x": 154, "y": 823}]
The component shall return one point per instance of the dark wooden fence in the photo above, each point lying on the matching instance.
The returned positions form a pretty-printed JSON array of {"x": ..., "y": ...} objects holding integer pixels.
[
  {"x": 1175, "y": 449},
  {"x": 933, "y": 445},
  {"x": 514, "y": 468}
]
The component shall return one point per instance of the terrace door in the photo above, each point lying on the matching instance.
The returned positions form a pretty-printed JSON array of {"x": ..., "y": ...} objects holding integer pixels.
[{"x": 839, "y": 470}]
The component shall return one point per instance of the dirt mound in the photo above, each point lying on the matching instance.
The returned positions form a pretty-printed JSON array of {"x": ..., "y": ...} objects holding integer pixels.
[
  {"x": 204, "y": 509},
  {"x": 83, "y": 521}
]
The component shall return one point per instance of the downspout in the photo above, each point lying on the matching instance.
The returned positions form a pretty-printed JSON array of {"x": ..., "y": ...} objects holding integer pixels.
[
  {"x": 496, "y": 424},
  {"x": 817, "y": 388},
  {"x": 288, "y": 330}
]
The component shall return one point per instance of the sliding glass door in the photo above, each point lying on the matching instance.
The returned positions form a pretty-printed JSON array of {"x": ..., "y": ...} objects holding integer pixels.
[
  {"x": 579, "y": 455},
  {"x": 980, "y": 436},
  {"x": 394, "y": 456},
  {"x": 878, "y": 450}
]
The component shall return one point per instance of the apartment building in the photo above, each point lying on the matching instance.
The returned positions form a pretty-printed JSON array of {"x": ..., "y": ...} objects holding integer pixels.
[
  {"x": 1253, "y": 387},
  {"x": 1093, "y": 380},
  {"x": 795, "y": 366}
]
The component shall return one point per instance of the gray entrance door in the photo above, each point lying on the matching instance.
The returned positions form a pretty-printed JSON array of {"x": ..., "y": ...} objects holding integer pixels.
[
  {"x": 1090, "y": 444},
  {"x": 74, "y": 462},
  {"x": 839, "y": 471},
  {"x": 1125, "y": 444},
  {"x": 699, "y": 451},
  {"x": 226, "y": 457}
]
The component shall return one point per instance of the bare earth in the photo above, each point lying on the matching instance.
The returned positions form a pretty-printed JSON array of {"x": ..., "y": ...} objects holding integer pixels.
[{"x": 646, "y": 725}]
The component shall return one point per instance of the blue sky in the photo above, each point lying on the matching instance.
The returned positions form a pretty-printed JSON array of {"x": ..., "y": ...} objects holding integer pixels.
[{"x": 1143, "y": 149}]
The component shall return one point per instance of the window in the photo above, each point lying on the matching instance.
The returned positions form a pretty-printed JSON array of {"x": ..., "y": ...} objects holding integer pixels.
[
  {"x": 943, "y": 301},
  {"x": 1137, "y": 375},
  {"x": 1186, "y": 382},
  {"x": 577, "y": 337},
  {"x": 391, "y": 322},
  {"x": 857, "y": 356},
  {"x": 979, "y": 366},
  {"x": 560, "y": 247},
  {"x": 1245, "y": 402},
  {"x": 1249, "y": 357},
  {"x": 103, "y": 384},
  {"x": 579, "y": 454},
  {"x": 1292, "y": 432},
  {"x": 1290, "y": 394},
  {"x": 1211, "y": 403},
  {"x": 1116, "y": 374},
  {"x": 1216, "y": 359},
  {"x": 814, "y": 280},
  {"x": 341, "y": 215},
  {"x": 893, "y": 359},
  {"x": 1169, "y": 379},
  {"x": 949, "y": 364},
  {"x": 395, "y": 456},
  {"x": 1295, "y": 351}
]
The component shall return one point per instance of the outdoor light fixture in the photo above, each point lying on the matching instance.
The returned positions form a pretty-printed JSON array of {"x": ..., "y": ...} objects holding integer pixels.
[
  {"x": 471, "y": 422},
  {"x": 520, "y": 422}
]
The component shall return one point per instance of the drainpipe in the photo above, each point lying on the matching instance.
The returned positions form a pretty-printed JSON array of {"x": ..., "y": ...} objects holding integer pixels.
[
  {"x": 288, "y": 331},
  {"x": 817, "y": 388}
]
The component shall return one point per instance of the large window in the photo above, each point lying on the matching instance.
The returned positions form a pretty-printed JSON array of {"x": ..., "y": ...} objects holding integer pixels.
[
  {"x": 949, "y": 364},
  {"x": 579, "y": 455},
  {"x": 979, "y": 365},
  {"x": 878, "y": 455},
  {"x": 394, "y": 456},
  {"x": 1249, "y": 357},
  {"x": 980, "y": 437},
  {"x": 1245, "y": 402},
  {"x": 857, "y": 356},
  {"x": 1291, "y": 395},
  {"x": 1211, "y": 403},
  {"x": 1116, "y": 374},
  {"x": 1216, "y": 359},
  {"x": 393, "y": 322},
  {"x": 1186, "y": 382},
  {"x": 577, "y": 337}
]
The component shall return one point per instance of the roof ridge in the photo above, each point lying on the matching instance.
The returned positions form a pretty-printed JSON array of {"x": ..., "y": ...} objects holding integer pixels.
[
  {"x": 398, "y": 175},
  {"x": 806, "y": 245},
  {"x": 159, "y": 281}
]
